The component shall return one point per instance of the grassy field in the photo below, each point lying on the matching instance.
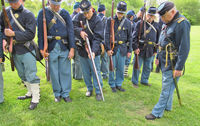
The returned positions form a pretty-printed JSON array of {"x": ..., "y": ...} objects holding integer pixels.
[{"x": 120, "y": 109}]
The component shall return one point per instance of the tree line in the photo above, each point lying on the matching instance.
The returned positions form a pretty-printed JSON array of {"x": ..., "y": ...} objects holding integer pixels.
[{"x": 189, "y": 8}]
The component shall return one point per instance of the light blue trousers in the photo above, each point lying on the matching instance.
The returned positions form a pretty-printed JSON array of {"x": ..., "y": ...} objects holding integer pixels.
[
  {"x": 128, "y": 60},
  {"x": 88, "y": 73},
  {"x": 118, "y": 63},
  {"x": 166, "y": 96},
  {"x": 76, "y": 67},
  {"x": 60, "y": 71},
  {"x": 1, "y": 85},
  {"x": 105, "y": 65},
  {"x": 26, "y": 67},
  {"x": 146, "y": 61}
]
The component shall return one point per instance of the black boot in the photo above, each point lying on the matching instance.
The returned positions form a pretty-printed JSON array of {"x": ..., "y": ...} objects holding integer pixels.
[{"x": 33, "y": 106}]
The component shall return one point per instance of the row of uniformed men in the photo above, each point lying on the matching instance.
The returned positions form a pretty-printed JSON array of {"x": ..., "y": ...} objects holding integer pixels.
[{"x": 61, "y": 53}]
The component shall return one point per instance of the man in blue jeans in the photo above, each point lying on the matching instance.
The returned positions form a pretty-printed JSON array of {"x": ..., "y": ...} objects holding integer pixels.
[
  {"x": 123, "y": 35},
  {"x": 146, "y": 46},
  {"x": 76, "y": 66},
  {"x": 61, "y": 50},
  {"x": 175, "y": 34},
  {"x": 24, "y": 61},
  {"x": 104, "y": 58},
  {"x": 93, "y": 29},
  {"x": 130, "y": 16}
]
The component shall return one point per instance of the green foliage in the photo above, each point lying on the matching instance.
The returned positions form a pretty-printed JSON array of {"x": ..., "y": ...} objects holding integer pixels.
[
  {"x": 33, "y": 6},
  {"x": 190, "y": 9}
]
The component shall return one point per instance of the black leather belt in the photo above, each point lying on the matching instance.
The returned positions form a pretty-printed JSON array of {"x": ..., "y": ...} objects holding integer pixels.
[
  {"x": 120, "y": 42},
  {"x": 55, "y": 37},
  {"x": 51, "y": 38},
  {"x": 146, "y": 42}
]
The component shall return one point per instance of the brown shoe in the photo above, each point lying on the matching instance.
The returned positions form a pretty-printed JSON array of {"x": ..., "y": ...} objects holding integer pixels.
[
  {"x": 135, "y": 85},
  {"x": 146, "y": 84},
  {"x": 150, "y": 117}
]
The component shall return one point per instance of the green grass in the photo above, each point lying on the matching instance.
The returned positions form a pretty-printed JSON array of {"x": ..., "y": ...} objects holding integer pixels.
[{"x": 120, "y": 109}]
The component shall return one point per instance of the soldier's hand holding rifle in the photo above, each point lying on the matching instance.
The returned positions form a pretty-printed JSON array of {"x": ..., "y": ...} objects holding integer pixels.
[
  {"x": 137, "y": 51},
  {"x": 83, "y": 34},
  {"x": 10, "y": 33},
  {"x": 43, "y": 54},
  {"x": 110, "y": 52}
]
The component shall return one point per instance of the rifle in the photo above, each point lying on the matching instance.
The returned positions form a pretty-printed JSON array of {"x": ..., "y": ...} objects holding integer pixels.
[
  {"x": 136, "y": 66},
  {"x": 45, "y": 50},
  {"x": 93, "y": 64},
  {"x": 112, "y": 37},
  {"x": 9, "y": 39}
]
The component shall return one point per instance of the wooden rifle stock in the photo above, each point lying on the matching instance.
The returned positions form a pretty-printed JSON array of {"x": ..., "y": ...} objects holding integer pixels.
[
  {"x": 112, "y": 37},
  {"x": 45, "y": 50},
  {"x": 9, "y": 39},
  {"x": 136, "y": 65}
]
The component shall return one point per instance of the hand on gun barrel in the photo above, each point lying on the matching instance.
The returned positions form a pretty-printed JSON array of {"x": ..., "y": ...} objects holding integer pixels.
[{"x": 44, "y": 54}]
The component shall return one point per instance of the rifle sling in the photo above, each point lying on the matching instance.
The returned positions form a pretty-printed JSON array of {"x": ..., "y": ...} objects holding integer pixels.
[
  {"x": 57, "y": 15},
  {"x": 119, "y": 28},
  {"x": 14, "y": 20},
  {"x": 104, "y": 20},
  {"x": 27, "y": 44},
  {"x": 89, "y": 27},
  {"x": 50, "y": 25}
]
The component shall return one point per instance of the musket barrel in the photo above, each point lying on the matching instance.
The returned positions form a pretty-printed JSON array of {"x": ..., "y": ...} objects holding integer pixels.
[
  {"x": 94, "y": 66},
  {"x": 45, "y": 50},
  {"x": 9, "y": 39}
]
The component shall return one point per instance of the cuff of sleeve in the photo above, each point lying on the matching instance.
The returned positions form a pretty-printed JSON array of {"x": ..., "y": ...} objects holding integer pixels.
[{"x": 178, "y": 68}]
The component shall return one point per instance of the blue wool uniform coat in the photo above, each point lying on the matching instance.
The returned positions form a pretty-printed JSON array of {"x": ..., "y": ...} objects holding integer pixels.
[
  {"x": 104, "y": 21},
  {"x": 152, "y": 36},
  {"x": 73, "y": 14},
  {"x": 57, "y": 29},
  {"x": 96, "y": 26},
  {"x": 27, "y": 20},
  {"x": 125, "y": 34},
  {"x": 132, "y": 24},
  {"x": 178, "y": 33}
]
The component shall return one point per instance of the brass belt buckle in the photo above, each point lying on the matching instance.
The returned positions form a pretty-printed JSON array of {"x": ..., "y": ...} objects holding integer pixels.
[
  {"x": 120, "y": 42},
  {"x": 57, "y": 37},
  {"x": 150, "y": 43}
]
